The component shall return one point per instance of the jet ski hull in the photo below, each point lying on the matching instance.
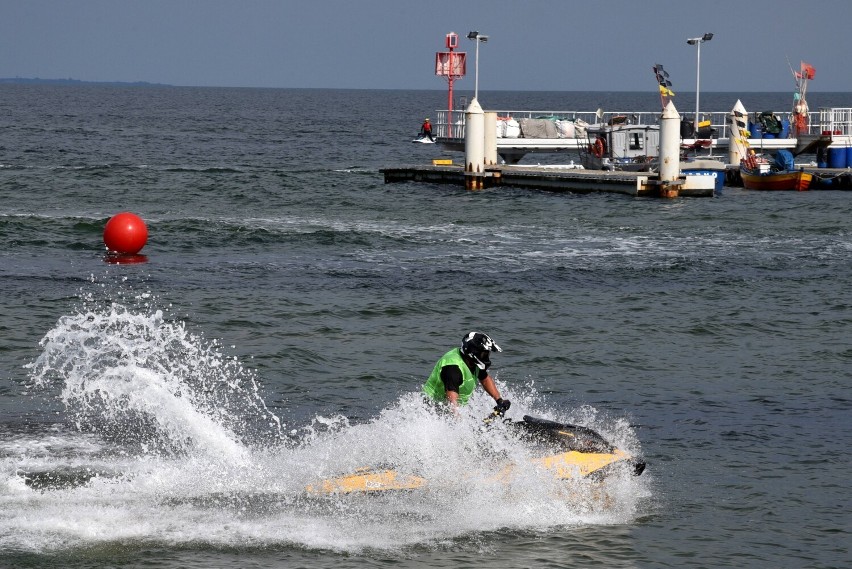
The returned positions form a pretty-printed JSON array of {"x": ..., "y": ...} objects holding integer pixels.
[{"x": 583, "y": 454}]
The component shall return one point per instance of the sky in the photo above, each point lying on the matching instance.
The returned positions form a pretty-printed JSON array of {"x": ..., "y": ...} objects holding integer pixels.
[{"x": 533, "y": 45}]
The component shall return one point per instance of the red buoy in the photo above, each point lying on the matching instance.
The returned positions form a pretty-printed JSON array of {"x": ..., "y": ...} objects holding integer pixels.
[{"x": 125, "y": 233}]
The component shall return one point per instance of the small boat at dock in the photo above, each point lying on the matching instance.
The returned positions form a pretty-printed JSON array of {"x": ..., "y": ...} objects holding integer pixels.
[
  {"x": 621, "y": 145},
  {"x": 759, "y": 173},
  {"x": 797, "y": 180}
]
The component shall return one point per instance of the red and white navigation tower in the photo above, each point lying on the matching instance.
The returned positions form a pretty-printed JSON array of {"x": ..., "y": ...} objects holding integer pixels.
[{"x": 451, "y": 65}]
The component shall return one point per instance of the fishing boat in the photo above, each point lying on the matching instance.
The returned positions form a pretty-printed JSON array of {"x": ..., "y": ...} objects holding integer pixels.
[
  {"x": 759, "y": 173},
  {"x": 620, "y": 144},
  {"x": 566, "y": 452}
]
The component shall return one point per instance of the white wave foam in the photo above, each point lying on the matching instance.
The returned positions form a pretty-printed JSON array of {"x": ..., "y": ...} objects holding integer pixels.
[{"x": 138, "y": 377}]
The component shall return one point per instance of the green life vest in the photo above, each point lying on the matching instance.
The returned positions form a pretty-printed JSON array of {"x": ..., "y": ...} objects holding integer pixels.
[{"x": 434, "y": 387}]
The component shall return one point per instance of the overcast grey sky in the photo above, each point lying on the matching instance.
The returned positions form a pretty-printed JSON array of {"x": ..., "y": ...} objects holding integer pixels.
[{"x": 558, "y": 45}]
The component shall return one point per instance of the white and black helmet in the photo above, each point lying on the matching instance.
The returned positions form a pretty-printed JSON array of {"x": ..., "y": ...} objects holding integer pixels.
[{"x": 477, "y": 346}]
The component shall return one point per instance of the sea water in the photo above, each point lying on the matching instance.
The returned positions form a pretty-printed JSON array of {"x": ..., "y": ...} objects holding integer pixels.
[{"x": 172, "y": 413}]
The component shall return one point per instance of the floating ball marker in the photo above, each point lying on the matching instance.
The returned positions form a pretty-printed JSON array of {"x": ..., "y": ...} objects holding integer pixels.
[{"x": 125, "y": 234}]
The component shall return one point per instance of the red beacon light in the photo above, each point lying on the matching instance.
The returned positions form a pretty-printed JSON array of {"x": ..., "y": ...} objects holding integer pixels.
[{"x": 452, "y": 40}]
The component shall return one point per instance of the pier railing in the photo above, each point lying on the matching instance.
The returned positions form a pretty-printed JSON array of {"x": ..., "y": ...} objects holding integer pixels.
[
  {"x": 450, "y": 124},
  {"x": 835, "y": 121}
]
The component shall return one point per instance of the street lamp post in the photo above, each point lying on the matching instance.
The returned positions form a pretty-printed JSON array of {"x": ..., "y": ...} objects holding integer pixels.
[
  {"x": 698, "y": 42},
  {"x": 477, "y": 37}
]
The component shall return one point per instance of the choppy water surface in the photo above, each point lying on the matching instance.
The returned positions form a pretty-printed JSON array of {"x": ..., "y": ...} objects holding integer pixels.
[{"x": 170, "y": 414}]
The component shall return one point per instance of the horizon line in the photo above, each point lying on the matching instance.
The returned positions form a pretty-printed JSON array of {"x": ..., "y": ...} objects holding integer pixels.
[{"x": 71, "y": 81}]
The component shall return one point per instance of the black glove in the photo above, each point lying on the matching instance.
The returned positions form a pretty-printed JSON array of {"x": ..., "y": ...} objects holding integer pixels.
[{"x": 502, "y": 406}]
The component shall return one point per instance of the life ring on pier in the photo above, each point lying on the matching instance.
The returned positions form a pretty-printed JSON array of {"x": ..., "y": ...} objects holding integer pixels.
[{"x": 598, "y": 147}]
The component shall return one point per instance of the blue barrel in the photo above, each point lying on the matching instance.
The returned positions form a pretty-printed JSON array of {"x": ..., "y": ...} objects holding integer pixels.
[
  {"x": 754, "y": 130},
  {"x": 837, "y": 157},
  {"x": 785, "y": 129}
]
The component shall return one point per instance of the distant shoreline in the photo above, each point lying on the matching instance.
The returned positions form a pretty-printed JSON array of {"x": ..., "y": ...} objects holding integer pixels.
[
  {"x": 81, "y": 83},
  {"x": 39, "y": 81}
]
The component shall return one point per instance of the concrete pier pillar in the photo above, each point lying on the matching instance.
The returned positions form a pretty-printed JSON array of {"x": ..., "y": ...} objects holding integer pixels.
[
  {"x": 669, "y": 151},
  {"x": 490, "y": 138},
  {"x": 738, "y": 134},
  {"x": 474, "y": 146}
]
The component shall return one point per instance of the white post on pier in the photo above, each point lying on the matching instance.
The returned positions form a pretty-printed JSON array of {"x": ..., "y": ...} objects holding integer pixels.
[
  {"x": 474, "y": 146},
  {"x": 490, "y": 138},
  {"x": 669, "y": 151},
  {"x": 738, "y": 134}
]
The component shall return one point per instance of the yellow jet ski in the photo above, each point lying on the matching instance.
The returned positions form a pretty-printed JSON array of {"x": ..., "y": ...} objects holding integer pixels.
[{"x": 566, "y": 451}]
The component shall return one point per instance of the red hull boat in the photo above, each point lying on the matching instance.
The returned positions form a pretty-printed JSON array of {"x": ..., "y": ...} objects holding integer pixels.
[{"x": 774, "y": 180}]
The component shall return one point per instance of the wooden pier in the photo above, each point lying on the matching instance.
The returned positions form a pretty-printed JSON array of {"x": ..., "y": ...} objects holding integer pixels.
[
  {"x": 576, "y": 180},
  {"x": 553, "y": 178},
  {"x": 481, "y": 149}
]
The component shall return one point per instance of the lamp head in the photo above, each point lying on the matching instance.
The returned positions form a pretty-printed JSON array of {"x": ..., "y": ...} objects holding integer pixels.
[{"x": 705, "y": 37}]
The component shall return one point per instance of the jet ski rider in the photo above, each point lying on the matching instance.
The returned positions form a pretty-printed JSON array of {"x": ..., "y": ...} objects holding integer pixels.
[
  {"x": 454, "y": 377},
  {"x": 426, "y": 130}
]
